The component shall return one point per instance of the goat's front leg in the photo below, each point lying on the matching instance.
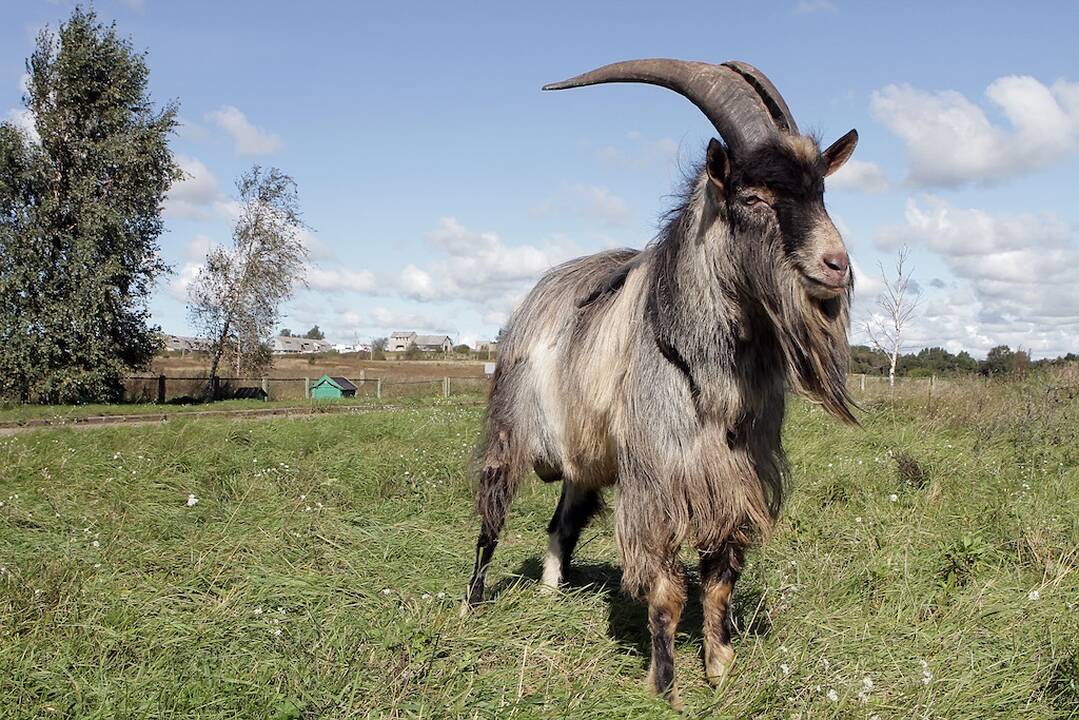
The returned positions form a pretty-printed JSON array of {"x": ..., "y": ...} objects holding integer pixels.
[
  {"x": 720, "y": 569},
  {"x": 666, "y": 598}
]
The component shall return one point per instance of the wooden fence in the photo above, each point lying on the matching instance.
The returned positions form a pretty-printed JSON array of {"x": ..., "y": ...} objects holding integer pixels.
[{"x": 179, "y": 389}]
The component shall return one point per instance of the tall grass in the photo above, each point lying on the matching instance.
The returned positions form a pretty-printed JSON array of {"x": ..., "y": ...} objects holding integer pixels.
[{"x": 925, "y": 566}]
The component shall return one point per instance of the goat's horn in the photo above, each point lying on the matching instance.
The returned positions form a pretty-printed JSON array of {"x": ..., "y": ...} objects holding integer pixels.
[{"x": 742, "y": 104}]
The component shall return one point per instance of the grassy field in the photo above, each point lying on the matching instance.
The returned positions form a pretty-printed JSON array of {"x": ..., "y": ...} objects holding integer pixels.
[
  {"x": 19, "y": 414},
  {"x": 924, "y": 567}
]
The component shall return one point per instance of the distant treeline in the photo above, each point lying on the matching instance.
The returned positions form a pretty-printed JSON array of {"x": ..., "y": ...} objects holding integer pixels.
[{"x": 1001, "y": 360}]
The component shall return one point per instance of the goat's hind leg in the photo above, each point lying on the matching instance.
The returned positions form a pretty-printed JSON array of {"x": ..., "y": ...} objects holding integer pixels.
[
  {"x": 576, "y": 506},
  {"x": 498, "y": 483},
  {"x": 720, "y": 569}
]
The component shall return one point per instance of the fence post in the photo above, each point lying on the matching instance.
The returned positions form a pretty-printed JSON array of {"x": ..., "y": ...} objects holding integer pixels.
[
  {"x": 378, "y": 388},
  {"x": 363, "y": 376},
  {"x": 863, "y": 382},
  {"x": 445, "y": 387},
  {"x": 306, "y": 388},
  {"x": 161, "y": 389},
  {"x": 266, "y": 387}
]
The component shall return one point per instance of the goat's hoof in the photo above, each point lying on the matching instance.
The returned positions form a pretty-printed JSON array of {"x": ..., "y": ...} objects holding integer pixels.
[
  {"x": 717, "y": 664},
  {"x": 468, "y": 605},
  {"x": 548, "y": 590},
  {"x": 672, "y": 696}
]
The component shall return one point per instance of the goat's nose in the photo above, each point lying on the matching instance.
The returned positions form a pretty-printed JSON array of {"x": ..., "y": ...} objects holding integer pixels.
[
  {"x": 837, "y": 261},
  {"x": 837, "y": 264}
]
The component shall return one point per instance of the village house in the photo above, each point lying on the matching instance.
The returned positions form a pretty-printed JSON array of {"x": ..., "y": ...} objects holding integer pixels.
[
  {"x": 400, "y": 341},
  {"x": 182, "y": 344},
  {"x": 289, "y": 345}
]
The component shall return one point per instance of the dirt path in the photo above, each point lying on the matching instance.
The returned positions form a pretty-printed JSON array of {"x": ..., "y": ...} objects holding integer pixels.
[{"x": 97, "y": 421}]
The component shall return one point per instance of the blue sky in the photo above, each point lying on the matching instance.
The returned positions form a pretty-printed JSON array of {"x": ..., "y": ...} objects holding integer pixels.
[{"x": 439, "y": 182}]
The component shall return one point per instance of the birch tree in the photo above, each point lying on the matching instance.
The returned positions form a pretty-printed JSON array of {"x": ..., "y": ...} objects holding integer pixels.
[
  {"x": 235, "y": 299},
  {"x": 897, "y": 305}
]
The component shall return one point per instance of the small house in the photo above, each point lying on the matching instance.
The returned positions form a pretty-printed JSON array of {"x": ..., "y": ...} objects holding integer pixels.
[
  {"x": 291, "y": 345},
  {"x": 328, "y": 388}
]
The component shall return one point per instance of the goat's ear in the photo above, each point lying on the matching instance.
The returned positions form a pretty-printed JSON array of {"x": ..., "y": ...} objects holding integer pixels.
[
  {"x": 717, "y": 165},
  {"x": 839, "y": 152}
]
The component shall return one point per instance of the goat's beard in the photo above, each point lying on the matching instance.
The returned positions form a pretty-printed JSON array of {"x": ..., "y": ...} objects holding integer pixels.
[{"x": 812, "y": 336}]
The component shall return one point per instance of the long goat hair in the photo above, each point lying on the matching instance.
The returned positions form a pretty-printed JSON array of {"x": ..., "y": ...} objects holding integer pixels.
[{"x": 664, "y": 371}]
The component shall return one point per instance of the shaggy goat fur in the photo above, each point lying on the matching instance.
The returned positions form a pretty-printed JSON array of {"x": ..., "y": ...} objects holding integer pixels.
[{"x": 663, "y": 372}]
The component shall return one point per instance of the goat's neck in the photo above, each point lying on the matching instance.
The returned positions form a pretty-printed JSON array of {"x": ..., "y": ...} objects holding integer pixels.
[{"x": 700, "y": 318}]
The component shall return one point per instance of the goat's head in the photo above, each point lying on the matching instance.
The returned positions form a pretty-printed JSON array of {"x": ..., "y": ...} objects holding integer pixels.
[{"x": 763, "y": 191}]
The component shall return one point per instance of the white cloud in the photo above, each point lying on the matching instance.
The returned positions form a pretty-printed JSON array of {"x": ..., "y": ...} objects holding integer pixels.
[
  {"x": 316, "y": 248},
  {"x": 194, "y": 196},
  {"x": 950, "y": 140},
  {"x": 639, "y": 152},
  {"x": 24, "y": 120},
  {"x": 479, "y": 269},
  {"x": 808, "y": 7},
  {"x": 1016, "y": 271},
  {"x": 589, "y": 201},
  {"x": 190, "y": 130},
  {"x": 247, "y": 138},
  {"x": 182, "y": 280},
  {"x": 418, "y": 284},
  {"x": 198, "y": 247},
  {"x": 859, "y": 176},
  {"x": 337, "y": 279}
]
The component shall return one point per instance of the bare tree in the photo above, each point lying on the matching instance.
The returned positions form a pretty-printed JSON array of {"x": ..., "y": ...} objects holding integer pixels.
[
  {"x": 897, "y": 305},
  {"x": 235, "y": 299}
]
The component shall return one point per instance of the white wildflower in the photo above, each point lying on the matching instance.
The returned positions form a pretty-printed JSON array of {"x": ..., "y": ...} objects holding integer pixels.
[
  {"x": 1033, "y": 595},
  {"x": 927, "y": 675},
  {"x": 386, "y": 591},
  {"x": 95, "y": 543},
  {"x": 867, "y": 687},
  {"x": 425, "y": 596},
  {"x": 192, "y": 501},
  {"x": 893, "y": 497},
  {"x": 258, "y": 611},
  {"x": 441, "y": 596},
  {"x": 833, "y": 695},
  {"x": 277, "y": 632},
  {"x": 785, "y": 668}
]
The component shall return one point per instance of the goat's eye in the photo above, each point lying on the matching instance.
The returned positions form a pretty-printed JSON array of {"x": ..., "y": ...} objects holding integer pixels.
[{"x": 753, "y": 201}]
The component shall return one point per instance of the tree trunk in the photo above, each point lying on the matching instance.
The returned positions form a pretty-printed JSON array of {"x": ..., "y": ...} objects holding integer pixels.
[
  {"x": 891, "y": 370},
  {"x": 219, "y": 350}
]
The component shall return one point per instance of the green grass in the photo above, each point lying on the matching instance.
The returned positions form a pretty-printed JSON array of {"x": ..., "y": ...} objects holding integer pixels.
[
  {"x": 21, "y": 414},
  {"x": 320, "y": 572}
]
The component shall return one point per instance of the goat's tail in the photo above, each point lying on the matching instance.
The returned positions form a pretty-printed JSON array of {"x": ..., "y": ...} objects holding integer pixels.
[{"x": 501, "y": 467}]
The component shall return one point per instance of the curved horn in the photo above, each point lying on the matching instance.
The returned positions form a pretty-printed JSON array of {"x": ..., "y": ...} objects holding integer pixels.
[{"x": 736, "y": 97}]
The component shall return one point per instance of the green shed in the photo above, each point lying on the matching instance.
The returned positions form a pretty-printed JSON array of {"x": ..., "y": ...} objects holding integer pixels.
[{"x": 327, "y": 387}]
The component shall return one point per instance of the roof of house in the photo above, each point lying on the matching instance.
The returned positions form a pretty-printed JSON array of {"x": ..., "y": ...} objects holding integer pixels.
[
  {"x": 431, "y": 339},
  {"x": 341, "y": 383},
  {"x": 402, "y": 334},
  {"x": 180, "y": 342},
  {"x": 290, "y": 343},
  {"x": 344, "y": 383}
]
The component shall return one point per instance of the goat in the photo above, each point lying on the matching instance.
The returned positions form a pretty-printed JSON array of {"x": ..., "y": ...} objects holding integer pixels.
[{"x": 663, "y": 371}]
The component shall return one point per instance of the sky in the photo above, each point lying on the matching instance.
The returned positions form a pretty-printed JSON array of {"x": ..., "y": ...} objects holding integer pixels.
[{"x": 438, "y": 182}]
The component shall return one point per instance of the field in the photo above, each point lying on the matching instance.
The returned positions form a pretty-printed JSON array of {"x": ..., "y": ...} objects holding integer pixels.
[{"x": 925, "y": 567}]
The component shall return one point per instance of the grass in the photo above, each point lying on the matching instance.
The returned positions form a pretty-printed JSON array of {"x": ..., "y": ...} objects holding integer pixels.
[
  {"x": 20, "y": 414},
  {"x": 925, "y": 566}
]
